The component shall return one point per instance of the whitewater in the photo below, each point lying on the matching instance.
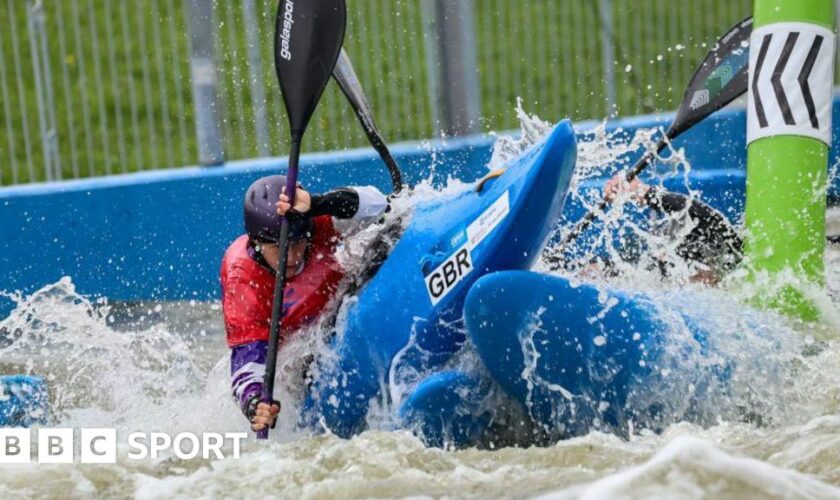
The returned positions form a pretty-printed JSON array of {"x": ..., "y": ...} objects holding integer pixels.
[{"x": 162, "y": 367}]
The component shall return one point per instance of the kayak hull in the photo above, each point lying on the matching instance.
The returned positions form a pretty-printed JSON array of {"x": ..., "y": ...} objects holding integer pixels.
[
  {"x": 406, "y": 320},
  {"x": 579, "y": 358},
  {"x": 447, "y": 410}
]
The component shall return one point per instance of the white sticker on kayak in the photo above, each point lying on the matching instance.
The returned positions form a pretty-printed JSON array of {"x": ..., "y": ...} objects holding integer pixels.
[
  {"x": 487, "y": 221},
  {"x": 446, "y": 276}
]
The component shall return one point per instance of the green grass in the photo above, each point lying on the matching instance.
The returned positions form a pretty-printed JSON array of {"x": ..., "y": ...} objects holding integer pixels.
[
  {"x": 134, "y": 116},
  {"x": 555, "y": 60},
  {"x": 95, "y": 116}
]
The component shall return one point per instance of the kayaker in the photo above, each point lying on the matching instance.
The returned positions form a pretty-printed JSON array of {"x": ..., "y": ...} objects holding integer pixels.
[
  {"x": 712, "y": 244},
  {"x": 312, "y": 273}
]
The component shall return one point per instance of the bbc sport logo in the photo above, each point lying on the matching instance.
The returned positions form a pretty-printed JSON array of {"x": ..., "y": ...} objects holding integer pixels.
[{"x": 99, "y": 446}]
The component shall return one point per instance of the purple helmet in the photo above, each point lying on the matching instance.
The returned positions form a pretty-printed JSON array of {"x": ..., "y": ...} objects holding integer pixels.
[{"x": 262, "y": 223}]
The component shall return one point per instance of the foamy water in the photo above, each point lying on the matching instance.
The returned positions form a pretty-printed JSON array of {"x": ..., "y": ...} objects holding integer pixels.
[{"x": 163, "y": 367}]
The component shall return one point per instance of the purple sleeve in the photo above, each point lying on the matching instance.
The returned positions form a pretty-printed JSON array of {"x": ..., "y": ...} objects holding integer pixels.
[{"x": 247, "y": 369}]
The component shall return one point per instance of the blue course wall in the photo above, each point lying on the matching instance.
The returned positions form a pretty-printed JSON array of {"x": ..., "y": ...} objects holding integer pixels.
[{"x": 160, "y": 235}]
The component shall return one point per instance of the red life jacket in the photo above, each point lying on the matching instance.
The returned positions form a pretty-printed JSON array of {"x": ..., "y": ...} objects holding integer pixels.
[{"x": 248, "y": 287}]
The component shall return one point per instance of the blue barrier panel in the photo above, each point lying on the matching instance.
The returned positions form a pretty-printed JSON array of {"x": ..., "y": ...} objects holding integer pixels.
[{"x": 160, "y": 235}]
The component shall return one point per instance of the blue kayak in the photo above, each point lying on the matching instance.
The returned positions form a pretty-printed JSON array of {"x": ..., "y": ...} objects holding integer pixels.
[
  {"x": 579, "y": 358},
  {"x": 561, "y": 359},
  {"x": 447, "y": 409},
  {"x": 23, "y": 401},
  {"x": 407, "y": 318}
]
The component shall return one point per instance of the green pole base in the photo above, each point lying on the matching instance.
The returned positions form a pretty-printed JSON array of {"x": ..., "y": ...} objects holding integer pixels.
[{"x": 789, "y": 301}]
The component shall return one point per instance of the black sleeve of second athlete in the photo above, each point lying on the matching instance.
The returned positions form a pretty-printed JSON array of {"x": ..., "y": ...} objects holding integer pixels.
[{"x": 711, "y": 224}]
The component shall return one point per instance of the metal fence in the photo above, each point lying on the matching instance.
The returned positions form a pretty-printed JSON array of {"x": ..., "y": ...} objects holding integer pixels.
[{"x": 93, "y": 87}]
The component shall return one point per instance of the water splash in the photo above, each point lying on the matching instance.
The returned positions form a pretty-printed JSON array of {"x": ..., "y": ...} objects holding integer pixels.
[
  {"x": 98, "y": 374},
  {"x": 760, "y": 352},
  {"x": 157, "y": 377}
]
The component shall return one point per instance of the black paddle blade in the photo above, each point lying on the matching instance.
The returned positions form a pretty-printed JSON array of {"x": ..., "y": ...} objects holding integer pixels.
[
  {"x": 307, "y": 40},
  {"x": 720, "y": 79},
  {"x": 346, "y": 77}
]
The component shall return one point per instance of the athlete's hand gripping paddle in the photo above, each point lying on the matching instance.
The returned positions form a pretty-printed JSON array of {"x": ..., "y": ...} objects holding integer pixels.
[
  {"x": 721, "y": 78},
  {"x": 307, "y": 41}
]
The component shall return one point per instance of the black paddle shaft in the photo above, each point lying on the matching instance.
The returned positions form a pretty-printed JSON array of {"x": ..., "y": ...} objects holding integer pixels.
[
  {"x": 721, "y": 78},
  {"x": 637, "y": 169},
  {"x": 307, "y": 41},
  {"x": 346, "y": 77}
]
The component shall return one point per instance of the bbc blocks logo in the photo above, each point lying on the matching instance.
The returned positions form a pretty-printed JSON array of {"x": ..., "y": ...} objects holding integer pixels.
[{"x": 101, "y": 446}]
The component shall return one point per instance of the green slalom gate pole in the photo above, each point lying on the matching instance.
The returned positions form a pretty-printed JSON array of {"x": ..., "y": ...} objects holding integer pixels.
[{"x": 788, "y": 132}]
